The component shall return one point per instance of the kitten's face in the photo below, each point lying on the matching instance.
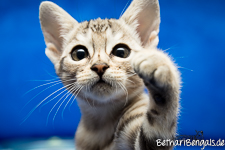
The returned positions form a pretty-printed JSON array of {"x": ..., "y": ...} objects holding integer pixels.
[
  {"x": 97, "y": 57},
  {"x": 93, "y": 58}
]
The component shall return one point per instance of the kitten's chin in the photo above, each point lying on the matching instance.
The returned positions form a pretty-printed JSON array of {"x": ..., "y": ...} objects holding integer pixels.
[
  {"x": 102, "y": 89},
  {"x": 103, "y": 92}
]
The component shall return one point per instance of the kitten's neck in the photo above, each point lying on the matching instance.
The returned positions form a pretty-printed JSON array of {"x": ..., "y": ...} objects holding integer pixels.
[
  {"x": 101, "y": 120},
  {"x": 95, "y": 115}
]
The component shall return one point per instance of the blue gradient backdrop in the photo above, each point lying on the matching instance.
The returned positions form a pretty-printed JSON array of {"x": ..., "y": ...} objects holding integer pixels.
[{"x": 193, "y": 31}]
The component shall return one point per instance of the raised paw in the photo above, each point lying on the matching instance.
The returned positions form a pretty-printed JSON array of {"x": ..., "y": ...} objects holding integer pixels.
[{"x": 154, "y": 67}]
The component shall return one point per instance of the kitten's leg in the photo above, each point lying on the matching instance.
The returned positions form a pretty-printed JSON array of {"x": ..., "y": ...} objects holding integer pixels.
[
  {"x": 148, "y": 118},
  {"x": 162, "y": 80}
]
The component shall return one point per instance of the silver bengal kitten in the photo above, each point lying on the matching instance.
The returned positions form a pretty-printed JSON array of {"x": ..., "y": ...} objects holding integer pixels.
[{"x": 106, "y": 64}]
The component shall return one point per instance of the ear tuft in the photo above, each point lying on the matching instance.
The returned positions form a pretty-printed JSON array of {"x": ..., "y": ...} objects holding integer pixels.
[{"x": 144, "y": 16}]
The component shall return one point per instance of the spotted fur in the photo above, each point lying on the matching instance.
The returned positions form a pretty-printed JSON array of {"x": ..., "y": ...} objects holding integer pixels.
[{"x": 116, "y": 114}]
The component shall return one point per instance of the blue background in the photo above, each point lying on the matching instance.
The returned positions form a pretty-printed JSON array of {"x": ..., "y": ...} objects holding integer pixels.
[{"x": 192, "y": 31}]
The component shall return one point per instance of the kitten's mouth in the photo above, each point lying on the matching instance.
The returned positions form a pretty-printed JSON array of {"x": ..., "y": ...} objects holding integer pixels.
[{"x": 101, "y": 81}]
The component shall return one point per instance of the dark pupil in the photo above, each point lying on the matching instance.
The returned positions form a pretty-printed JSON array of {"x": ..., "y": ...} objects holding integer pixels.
[
  {"x": 120, "y": 52},
  {"x": 80, "y": 54}
]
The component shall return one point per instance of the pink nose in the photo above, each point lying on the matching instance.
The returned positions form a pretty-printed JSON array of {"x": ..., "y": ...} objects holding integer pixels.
[{"x": 100, "y": 68}]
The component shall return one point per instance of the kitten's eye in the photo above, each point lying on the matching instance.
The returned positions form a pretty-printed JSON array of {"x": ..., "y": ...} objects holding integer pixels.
[
  {"x": 121, "y": 50},
  {"x": 79, "y": 52}
]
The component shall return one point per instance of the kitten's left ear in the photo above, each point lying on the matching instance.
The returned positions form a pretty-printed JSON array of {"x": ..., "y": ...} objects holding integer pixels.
[
  {"x": 144, "y": 16},
  {"x": 55, "y": 24}
]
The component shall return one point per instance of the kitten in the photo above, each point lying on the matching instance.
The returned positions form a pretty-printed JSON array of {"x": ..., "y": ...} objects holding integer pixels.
[{"x": 107, "y": 63}]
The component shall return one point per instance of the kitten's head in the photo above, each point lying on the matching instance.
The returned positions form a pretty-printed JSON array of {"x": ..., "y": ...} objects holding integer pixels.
[{"x": 93, "y": 57}]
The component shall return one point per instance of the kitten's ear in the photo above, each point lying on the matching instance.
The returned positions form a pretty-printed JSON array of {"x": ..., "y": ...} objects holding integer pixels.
[
  {"x": 55, "y": 24},
  {"x": 144, "y": 16}
]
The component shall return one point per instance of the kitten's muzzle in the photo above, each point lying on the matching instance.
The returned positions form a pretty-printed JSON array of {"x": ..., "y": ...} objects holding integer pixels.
[{"x": 100, "y": 68}]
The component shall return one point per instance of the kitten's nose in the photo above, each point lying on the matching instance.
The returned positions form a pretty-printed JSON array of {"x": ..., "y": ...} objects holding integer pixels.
[{"x": 100, "y": 68}]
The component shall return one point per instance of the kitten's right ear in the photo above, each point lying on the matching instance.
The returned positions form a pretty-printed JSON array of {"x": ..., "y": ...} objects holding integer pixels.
[{"x": 55, "y": 24}]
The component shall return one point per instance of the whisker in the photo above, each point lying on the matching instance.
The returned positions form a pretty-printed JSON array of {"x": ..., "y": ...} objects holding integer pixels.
[
  {"x": 70, "y": 87},
  {"x": 40, "y": 86},
  {"x": 72, "y": 100},
  {"x": 125, "y": 90},
  {"x": 74, "y": 90},
  {"x": 76, "y": 95},
  {"x": 116, "y": 88},
  {"x": 172, "y": 47},
  {"x": 55, "y": 104},
  {"x": 87, "y": 100},
  {"x": 46, "y": 84},
  {"x": 50, "y": 74},
  {"x": 124, "y": 8},
  {"x": 54, "y": 97},
  {"x": 67, "y": 80},
  {"x": 39, "y": 94},
  {"x": 166, "y": 49},
  {"x": 58, "y": 76},
  {"x": 131, "y": 72},
  {"x": 130, "y": 75},
  {"x": 67, "y": 95},
  {"x": 130, "y": 80},
  {"x": 66, "y": 77},
  {"x": 41, "y": 103},
  {"x": 44, "y": 80},
  {"x": 57, "y": 82},
  {"x": 186, "y": 68}
]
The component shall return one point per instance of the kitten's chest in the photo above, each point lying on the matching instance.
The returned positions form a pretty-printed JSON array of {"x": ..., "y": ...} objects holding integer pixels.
[
  {"x": 97, "y": 126},
  {"x": 95, "y": 139}
]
